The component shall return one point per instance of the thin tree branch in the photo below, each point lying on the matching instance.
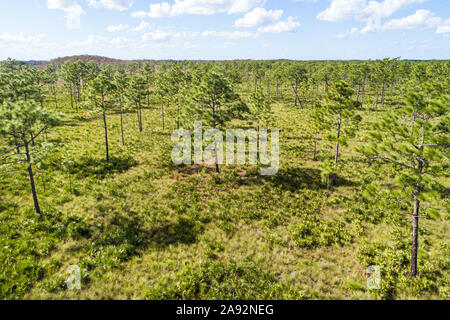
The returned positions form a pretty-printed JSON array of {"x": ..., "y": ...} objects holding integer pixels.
[
  {"x": 4, "y": 164},
  {"x": 38, "y": 134},
  {"x": 383, "y": 157},
  {"x": 11, "y": 155},
  {"x": 12, "y": 170},
  {"x": 14, "y": 148}
]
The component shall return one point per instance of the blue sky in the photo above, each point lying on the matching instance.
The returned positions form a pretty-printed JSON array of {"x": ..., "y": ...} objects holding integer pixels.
[{"x": 226, "y": 29}]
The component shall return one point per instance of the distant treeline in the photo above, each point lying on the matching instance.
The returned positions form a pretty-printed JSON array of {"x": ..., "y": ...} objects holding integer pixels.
[{"x": 110, "y": 61}]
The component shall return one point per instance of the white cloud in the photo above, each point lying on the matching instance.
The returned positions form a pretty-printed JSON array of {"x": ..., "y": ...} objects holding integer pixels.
[
  {"x": 95, "y": 42},
  {"x": 352, "y": 32},
  {"x": 72, "y": 9},
  {"x": 120, "y": 5},
  {"x": 420, "y": 19},
  {"x": 444, "y": 28},
  {"x": 21, "y": 37},
  {"x": 290, "y": 25},
  {"x": 227, "y": 34},
  {"x": 158, "y": 36},
  {"x": 268, "y": 21},
  {"x": 90, "y": 41},
  {"x": 119, "y": 27},
  {"x": 120, "y": 42},
  {"x": 198, "y": 7},
  {"x": 373, "y": 12},
  {"x": 368, "y": 11},
  {"x": 189, "y": 45},
  {"x": 158, "y": 10},
  {"x": 26, "y": 46},
  {"x": 362, "y": 10},
  {"x": 143, "y": 26},
  {"x": 259, "y": 17},
  {"x": 165, "y": 36},
  {"x": 341, "y": 10}
]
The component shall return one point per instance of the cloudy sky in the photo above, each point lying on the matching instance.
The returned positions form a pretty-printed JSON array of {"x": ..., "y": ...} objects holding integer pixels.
[{"x": 226, "y": 29}]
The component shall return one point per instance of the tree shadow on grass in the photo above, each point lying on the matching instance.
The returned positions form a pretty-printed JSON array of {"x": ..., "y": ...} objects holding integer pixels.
[
  {"x": 114, "y": 243},
  {"x": 183, "y": 231},
  {"x": 294, "y": 179},
  {"x": 445, "y": 193},
  {"x": 83, "y": 119},
  {"x": 160, "y": 133},
  {"x": 190, "y": 170},
  {"x": 100, "y": 168},
  {"x": 300, "y": 138},
  {"x": 69, "y": 123}
]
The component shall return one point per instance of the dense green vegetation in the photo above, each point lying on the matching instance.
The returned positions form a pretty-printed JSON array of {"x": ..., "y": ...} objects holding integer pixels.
[{"x": 87, "y": 179}]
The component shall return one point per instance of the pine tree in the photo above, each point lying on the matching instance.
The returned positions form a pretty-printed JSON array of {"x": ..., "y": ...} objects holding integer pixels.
[
  {"x": 18, "y": 123},
  {"x": 338, "y": 117},
  {"x": 260, "y": 107},
  {"x": 415, "y": 138},
  {"x": 100, "y": 90},
  {"x": 213, "y": 102},
  {"x": 121, "y": 83}
]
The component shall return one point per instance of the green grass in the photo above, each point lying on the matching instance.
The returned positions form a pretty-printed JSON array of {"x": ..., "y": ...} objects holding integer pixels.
[{"x": 141, "y": 228}]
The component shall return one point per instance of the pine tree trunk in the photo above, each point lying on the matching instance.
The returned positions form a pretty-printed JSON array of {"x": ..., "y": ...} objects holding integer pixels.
[
  {"x": 313, "y": 97},
  {"x": 303, "y": 98},
  {"x": 121, "y": 121},
  {"x": 162, "y": 115},
  {"x": 71, "y": 97},
  {"x": 415, "y": 236},
  {"x": 278, "y": 89},
  {"x": 178, "y": 117},
  {"x": 382, "y": 96},
  {"x": 140, "y": 119},
  {"x": 296, "y": 95},
  {"x": 56, "y": 99},
  {"x": 315, "y": 146},
  {"x": 137, "y": 113},
  {"x": 31, "y": 176},
  {"x": 376, "y": 98},
  {"x": 140, "y": 114},
  {"x": 336, "y": 156},
  {"x": 215, "y": 156},
  {"x": 106, "y": 136},
  {"x": 32, "y": 139},
  {"x": 363, "y": 89},
  {"x": 77, "y": 100}
]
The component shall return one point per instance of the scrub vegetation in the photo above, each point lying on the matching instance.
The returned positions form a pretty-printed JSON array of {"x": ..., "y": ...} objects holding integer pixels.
[{"x": 87, "y": 179}]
